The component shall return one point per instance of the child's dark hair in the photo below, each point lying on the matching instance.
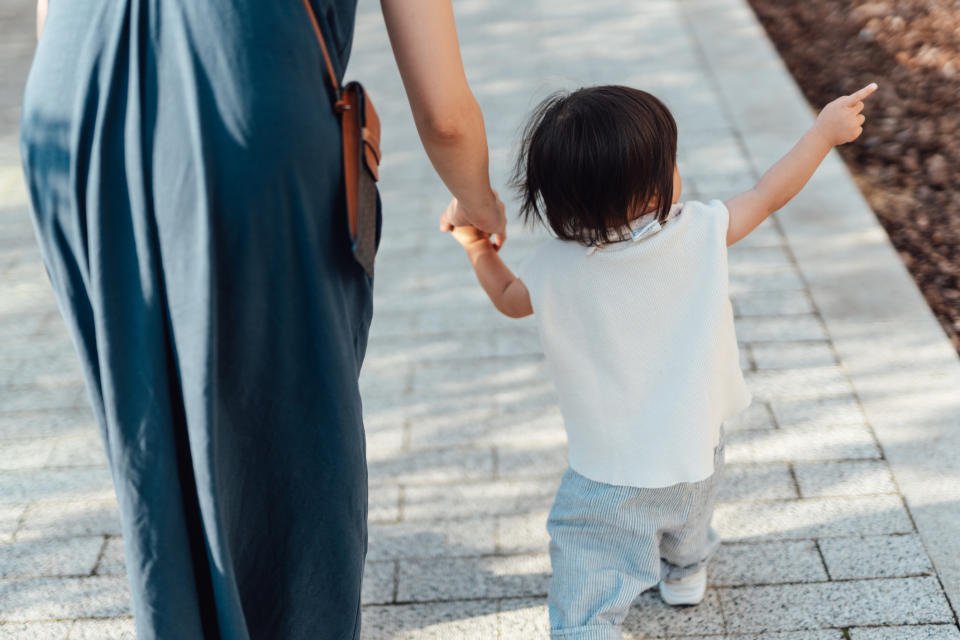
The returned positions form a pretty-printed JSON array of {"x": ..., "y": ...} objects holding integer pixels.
[{"x": 593, "y": 159}]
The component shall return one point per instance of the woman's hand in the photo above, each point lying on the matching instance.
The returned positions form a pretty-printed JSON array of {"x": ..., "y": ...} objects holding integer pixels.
[{"x": 490, "y": 219}]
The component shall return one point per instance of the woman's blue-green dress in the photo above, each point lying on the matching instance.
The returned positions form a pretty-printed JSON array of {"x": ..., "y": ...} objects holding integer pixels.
[{"x": 184, "y": 165}]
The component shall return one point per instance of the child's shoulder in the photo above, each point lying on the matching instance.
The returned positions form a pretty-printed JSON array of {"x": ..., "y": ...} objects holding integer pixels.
[
  {"x": 709, "y": 211},
  {"x": 704, "y": 207}
]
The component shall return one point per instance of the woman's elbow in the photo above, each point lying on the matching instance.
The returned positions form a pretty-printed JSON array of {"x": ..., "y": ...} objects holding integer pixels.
[{"x": 450, "y": 122}]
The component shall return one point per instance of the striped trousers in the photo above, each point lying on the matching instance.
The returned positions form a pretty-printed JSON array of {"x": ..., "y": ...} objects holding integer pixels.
[{"x": 610, "y": 543}]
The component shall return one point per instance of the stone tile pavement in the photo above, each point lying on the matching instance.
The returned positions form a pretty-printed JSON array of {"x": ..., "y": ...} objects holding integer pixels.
[{"x": 840, "y": 507}]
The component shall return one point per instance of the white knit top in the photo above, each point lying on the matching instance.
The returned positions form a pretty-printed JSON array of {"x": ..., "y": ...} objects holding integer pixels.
[{"x": 640, "y": 342}]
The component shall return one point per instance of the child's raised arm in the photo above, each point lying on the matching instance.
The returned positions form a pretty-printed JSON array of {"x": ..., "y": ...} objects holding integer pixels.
[
  {"x": 507, "y": 292},
  {"x": 840, "y": 122}
]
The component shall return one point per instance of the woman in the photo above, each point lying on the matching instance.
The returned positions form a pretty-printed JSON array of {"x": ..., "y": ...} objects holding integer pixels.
[{"x": 184, "y": 167}]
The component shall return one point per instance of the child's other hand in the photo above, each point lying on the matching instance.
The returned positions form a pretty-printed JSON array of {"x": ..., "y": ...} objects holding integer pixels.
[
  {"x": 841, "y": 121},
  {"x": 468, "y": 235}
]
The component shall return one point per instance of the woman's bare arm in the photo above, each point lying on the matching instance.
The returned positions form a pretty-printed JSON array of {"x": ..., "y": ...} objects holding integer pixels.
[{"x": 424, "y": 40}]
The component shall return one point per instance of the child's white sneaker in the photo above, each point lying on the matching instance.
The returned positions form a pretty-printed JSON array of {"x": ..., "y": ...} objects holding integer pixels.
[{"x": 686, "y": 590}]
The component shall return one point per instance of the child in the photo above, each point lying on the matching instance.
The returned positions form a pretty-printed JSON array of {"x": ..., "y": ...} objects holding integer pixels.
[{"x": 637, "y": 327}]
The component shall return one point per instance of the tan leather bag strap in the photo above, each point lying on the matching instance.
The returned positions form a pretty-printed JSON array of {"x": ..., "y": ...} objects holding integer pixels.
[{"x": 331, "y": 74}]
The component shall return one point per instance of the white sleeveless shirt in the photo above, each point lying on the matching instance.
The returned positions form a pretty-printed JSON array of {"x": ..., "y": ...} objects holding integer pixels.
[{"x": 640, "y": 342}]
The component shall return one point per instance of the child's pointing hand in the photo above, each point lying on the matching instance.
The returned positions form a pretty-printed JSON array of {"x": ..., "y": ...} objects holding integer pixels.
[{"x": 841, "y": 121}]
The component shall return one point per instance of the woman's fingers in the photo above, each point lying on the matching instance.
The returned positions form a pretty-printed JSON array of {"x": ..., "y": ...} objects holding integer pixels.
[
  {"x": 499, "y": 238},
  {"x": 493, "y": 222},
  {"x": 452, "y": 216}
]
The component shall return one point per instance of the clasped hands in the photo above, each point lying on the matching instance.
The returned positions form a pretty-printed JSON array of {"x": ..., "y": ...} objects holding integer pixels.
[{"x": 485, "y": 221}]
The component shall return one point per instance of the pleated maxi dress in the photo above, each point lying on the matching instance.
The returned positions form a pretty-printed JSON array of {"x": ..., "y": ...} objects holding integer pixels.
[{"x": 184, "y": 166}]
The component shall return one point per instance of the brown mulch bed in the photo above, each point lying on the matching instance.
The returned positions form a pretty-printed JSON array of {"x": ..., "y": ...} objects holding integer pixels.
[{"x": 907, "y": 162}]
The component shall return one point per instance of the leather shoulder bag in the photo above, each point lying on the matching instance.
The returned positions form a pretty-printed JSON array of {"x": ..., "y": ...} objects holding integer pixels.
[{"x": 361, "y": 156}]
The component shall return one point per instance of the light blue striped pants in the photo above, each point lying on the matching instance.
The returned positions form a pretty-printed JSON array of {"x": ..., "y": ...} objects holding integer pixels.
[{"x": 610, "y": 543}]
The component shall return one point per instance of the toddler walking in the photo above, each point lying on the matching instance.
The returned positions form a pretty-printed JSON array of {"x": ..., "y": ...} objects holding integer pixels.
[{"x": 635, "y": 320}]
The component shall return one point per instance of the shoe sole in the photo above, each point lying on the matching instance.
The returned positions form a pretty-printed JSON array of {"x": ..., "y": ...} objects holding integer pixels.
[{"x": 678, "y": 599}]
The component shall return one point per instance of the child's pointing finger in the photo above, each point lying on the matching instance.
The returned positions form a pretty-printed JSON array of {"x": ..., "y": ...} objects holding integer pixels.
[{"x": 863, "y": 93}]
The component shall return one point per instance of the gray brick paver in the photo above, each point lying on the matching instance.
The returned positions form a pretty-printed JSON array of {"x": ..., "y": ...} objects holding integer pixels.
[
  {"x": 35, "y": 630},
  {"x": 807, "y": 383},
  {"x": 78, "y": 450},
  {"x": 814, "y": 634},
  {"x": 37, "y": 424},
  {"x": 755, "y": 258},
  {"x": 9, "y": 369},
  {"x": 756, "y": 416},
  {"x": 826, "y": 409},
  {"x": 485, "y": 577},
  {"x": 523, "y": 618},
  {"x": 918, "y": 632},
  {"x": 54, "y": 364},
  {"x": 779, "y": 328},
  {"x": 875, "y": 557},
  {"x": 112, "y": 629},
  {"x": 535, "y": 458},
  {"x": 811, "y": 518},
  {"x": 467, "y": 500},
  {"x": 10, "y": 516},
  {"x": 73, "y": 484},
  {"x": 112, "y": 560},
  {"x": 766, "y": 563},
  {"x": 463, "y": 620},
  {"x": 73, "y": 518},
  {"x": 846, "y": 478},
  {"x": 32, "y": 397},
  {"x": 804, "y": 443},
  {"x": 73, "y": 556},
  {"x": 785, "y": 355},
  {"x": 650, "y": 617},
  {"x": 449, "y": 422},
  {"x": 767, "y": 481},
  {"x": 768, "y": 279},
  {"x": 431, "y": 466},
  {"x": 834, "y": 604},
  {"x": 383, "y": 503},
  {"x": 26, "y": 453},
  {"x": 18, "y": 327},
  {"x": 767, "y": 234},
  {"x": 23, "y": 600},
  {"x": 534, "y": 422},
  {"x": 379, "y": 582},
  {"x": 523, "y": 533},
  {"x": 448, "y": 538},
  {"x": 772, "y": 303}
]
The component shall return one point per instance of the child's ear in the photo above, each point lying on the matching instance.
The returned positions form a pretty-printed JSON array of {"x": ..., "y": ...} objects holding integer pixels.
[{"x": 677, "y": 185}]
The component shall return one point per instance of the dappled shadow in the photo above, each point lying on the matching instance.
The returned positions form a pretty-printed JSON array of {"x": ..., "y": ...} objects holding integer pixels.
[
  {"x": 464, "y": 371},
  {"x": 465, "y": 442}
]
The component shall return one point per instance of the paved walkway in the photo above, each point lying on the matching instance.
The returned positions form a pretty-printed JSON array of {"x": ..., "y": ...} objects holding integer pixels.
[{"x": 842, "y": 503}]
